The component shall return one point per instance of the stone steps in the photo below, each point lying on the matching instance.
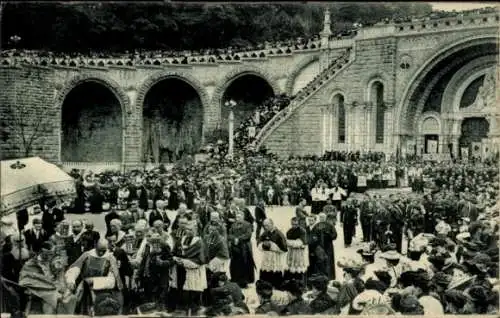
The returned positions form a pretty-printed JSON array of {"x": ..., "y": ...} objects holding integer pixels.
[{"x": 304, "y": 94}]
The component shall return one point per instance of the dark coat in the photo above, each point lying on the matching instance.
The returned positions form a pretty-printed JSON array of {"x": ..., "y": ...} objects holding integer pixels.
[
  {"x": 157, "y": 215},
  {"x": 267, "y": 307},
  {"x": 296, "y": 307},
  {"x": 321, "y": 303},
  {"x": 89, "y": 240},
  {"x": 34, "y": 243}
]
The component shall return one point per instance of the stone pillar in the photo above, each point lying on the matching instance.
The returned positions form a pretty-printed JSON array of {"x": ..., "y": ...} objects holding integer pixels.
[
  {"x": 455, "y": 146},
  {"x": 324, "y": 60},
  {"x": 132, "y": 132}
]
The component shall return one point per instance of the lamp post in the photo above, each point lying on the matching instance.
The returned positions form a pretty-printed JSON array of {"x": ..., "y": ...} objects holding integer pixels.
[{"x": 231, "y": 104}]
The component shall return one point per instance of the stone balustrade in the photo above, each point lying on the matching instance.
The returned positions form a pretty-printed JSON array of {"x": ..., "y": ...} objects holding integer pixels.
[
  {"x": 429, "y": 24},
  {"x": 44, "y": 59}
]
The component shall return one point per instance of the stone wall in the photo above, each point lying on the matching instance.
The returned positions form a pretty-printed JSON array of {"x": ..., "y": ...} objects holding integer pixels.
[
  {"x": 374, "y": 60},
  {"x": 28, "y": 120}
]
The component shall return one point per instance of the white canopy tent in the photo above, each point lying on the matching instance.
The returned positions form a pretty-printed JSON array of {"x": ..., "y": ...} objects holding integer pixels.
[{"x": 25, "y": 181}]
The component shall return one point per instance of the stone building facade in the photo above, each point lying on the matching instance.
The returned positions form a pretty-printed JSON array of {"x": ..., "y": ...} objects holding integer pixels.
[{"x": 412, "y": 86}]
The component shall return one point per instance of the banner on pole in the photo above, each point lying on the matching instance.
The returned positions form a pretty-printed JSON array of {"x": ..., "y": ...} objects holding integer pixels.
[
  {"x": 432, "y": 146},
  {"x": 464, "y": 151},
  {"x": 476, "y": 149}
]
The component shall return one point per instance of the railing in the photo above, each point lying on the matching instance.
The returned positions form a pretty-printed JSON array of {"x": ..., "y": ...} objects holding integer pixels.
[
  {"x": 429, "y": 24},
  {"x": 96, "y": 167},
  {"x": 317, "y": 83},
  {"x": 35, "y": 58}
]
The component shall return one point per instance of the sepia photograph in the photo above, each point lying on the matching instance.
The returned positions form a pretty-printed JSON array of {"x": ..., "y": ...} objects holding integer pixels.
[{"x": 215, "y": 159}]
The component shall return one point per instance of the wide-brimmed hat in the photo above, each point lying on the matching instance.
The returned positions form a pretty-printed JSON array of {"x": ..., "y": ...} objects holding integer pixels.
[
  {"x": 391, "y": 255},
  {"x": 442, "y": 279},
  {"x": 377, "y": 310},
  {"x": 367, "y": 297},
  {"x": 320, "y": 282},
  {"x": 460, "y": 282},
  {"x": 481, "y": 261},
  {"x": 352, "y": 263},
  {"x": 368, "y": 249}
]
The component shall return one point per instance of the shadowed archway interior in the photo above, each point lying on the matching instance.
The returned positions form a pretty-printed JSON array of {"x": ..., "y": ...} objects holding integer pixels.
[
  {"x": 249, "y": 92},
  {"x": 172, "y": 121},
  {"x": 435, "y": 81},
  {"x": 91, "y": 125}
]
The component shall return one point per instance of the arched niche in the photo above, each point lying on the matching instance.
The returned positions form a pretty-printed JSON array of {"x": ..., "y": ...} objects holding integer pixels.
[{"x": 91, "y": 124}]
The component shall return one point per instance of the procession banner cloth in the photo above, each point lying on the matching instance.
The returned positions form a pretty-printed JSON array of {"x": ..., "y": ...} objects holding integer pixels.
[{"x": 25, "y": 181}]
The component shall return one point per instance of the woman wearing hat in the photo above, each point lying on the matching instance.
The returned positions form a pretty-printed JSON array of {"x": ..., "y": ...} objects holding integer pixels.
[
  {"x": 265, "y": 293},
  {"x": 352, "y": 286},
  {"x": 322, "y": 301},
  {"x": 297, "y": 305}
]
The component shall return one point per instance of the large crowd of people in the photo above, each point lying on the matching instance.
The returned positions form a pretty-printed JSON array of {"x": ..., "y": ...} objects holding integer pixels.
[
  {"x": 181, "y": 240},
  {"x": 210, "y": 55}
]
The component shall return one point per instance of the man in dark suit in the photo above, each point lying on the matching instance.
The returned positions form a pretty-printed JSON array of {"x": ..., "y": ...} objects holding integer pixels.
[
  {"x": 204, "y": 210},
  {"x": 90, "y": 237},
  {"x": 51, "y": 217},
  {"x": 159, "y": 214},
  {"x": 108, "y": 218},
  {"x": 36, "y": 236},
  {"x": 74, "y": 243},
  {"x": 22, "y": 219}
]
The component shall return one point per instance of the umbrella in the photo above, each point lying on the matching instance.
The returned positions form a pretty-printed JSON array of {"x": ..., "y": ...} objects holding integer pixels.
[{"x": 25, "y": 181}]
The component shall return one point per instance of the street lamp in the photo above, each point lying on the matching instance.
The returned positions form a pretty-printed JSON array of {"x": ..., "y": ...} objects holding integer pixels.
[{"x": 231, "y": 104}]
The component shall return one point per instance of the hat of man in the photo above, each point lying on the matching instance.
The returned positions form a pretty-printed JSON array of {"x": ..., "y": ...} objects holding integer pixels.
[
  {"x": 391, "y": 255},
  {"x": 319, "y": 282}
]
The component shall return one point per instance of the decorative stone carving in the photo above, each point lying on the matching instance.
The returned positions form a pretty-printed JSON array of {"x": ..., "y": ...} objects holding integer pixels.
[
  {"x": 405, "y": 62},
  {"x": 485, "y": 98},
  {"x": 414, "y": 43}
]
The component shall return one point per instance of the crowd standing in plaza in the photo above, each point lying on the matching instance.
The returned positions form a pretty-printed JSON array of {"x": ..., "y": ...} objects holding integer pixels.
[{"x": 202, "y": 258}]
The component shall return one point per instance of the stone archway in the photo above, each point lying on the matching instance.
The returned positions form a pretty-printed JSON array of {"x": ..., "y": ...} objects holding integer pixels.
[
  {"x": 256, "y": 75},
  {"x": 238, "y": 72},
  {"x": 172, "y": 117},
  {"x": 406, "y": 111},
  {"x": 92, "y": 114},
  {"x": 297, "y": 70}
]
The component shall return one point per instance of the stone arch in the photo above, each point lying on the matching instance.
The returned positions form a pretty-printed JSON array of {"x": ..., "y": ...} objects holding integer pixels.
[
  {"x": 442, "y": 53},
  {"x": 334, "y": 93},
  {"x": 102, "y": 79},
  {"x": 306, "y": 61},
  {"x": 106, "y": 82},
  {"x": 159, "y": 76},
  {"x": 472, "y": 73},
  {"x": 339, "y": 110},
  {"x": 378, "y": 77},
  {"x": 430, "y": 86},
  {"x": 433, "y": 116},
  {"x": 150, "y": 82},
  {"x": 237, "y": 72}
]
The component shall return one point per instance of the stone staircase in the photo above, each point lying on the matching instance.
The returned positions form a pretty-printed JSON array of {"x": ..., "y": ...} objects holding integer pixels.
[{"x": 303, "y": 95}]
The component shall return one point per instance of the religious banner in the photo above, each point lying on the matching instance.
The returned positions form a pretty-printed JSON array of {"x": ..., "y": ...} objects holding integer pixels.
[
  {"x": 485, "y": 148},
  {"x": 251, "y": 131},
  {"x": 464, "y": 151},
  {"x": 476, "y": 149},
  {"x": 361, "y": 181},
  {"x": 432, "y": 146}
]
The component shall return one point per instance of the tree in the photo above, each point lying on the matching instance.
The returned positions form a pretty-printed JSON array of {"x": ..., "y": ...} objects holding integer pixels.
[{"x": 21, "y": 125}]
